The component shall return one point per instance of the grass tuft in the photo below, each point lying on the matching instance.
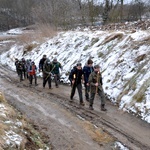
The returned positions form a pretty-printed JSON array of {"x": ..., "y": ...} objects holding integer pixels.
[
  {"x": 2, "y": 98},
  {"x": 112, "y": 37},
  {"x": 140, "y": 95}
]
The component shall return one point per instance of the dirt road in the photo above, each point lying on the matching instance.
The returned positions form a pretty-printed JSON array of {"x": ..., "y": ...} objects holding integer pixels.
[{"x": 69, "y": 126}]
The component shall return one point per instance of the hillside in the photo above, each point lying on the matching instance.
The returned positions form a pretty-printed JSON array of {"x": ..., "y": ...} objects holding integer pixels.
[{"x": 124, "y": 57}]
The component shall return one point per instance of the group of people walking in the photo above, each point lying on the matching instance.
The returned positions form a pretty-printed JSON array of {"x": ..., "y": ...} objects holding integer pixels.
[
  {"x": 49, "y": 70},
  {"x": 92, "y": 79},
  {"x": 89, "y": 75},
  {"x": 26, "y": 69}
]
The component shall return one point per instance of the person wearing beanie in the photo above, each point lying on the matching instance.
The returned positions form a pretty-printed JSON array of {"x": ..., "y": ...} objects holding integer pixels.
[
  {"x": 76, "y": 79},
  {"x": 95, "y": 81}
]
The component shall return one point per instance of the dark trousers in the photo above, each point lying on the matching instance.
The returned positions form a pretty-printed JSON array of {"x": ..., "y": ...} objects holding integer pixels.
[
  {"x": 31, "y": 77},
  {"x": 56, "y": 79},
  {"x": 101, "y": 95},
  {"x": 20, "y": 73},
  {"x": 87, "y": 90},
  {"x": 17, "y": 70},
  {"x": 24, "y": 73},
  {"x": 45, "y": 79},
  {"x": 79, "y": 88}
]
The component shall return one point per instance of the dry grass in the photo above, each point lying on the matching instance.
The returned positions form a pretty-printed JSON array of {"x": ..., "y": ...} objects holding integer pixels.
[
  {"x": 46, "y": 30},
  {"x": 98, "y": 134},
  {"x": 38, "y": 34},
  {"x": 30, "y": 140},
  {"x": 140, "y": 58},
  {"x": 140, "y": 95},
  {"x": 3, "y": 128},
  {"x": 2, "y": 98},
  {"x": 112, "y": 37}
]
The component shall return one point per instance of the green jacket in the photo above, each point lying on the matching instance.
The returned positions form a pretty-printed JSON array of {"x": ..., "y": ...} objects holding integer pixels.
[
  {"x": 94, "y": 78},
  {"x": 47, "y": 69},
  {"x": 56, "y": 65}
]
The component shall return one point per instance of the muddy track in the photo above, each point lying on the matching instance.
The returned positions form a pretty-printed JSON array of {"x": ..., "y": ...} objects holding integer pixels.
[{"x": 98, "y": 118}]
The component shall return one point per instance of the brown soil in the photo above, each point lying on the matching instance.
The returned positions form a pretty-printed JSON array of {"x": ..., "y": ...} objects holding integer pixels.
[{"x": 69, "y": 126}]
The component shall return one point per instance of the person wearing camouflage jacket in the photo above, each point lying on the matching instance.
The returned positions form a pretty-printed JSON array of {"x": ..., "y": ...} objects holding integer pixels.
[
  {"x": 95, "y": 81},
  {"x": 47, "y": 73}
]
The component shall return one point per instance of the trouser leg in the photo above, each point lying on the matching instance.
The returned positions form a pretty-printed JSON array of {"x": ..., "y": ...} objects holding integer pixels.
[
  {"x": 56, "y": 79},
  {"x": 87, "y": 90},
  {"x": 79, "y": 87},
  {"x": 73, "y": 91},
  {"x": 24, "y": 74},
  {"x": 30, "y": 79},
  {"x": 92, "y": 96},
  {"x": 20, "y": 75},
  {"x": 35, "y": 79},
  {"x": 49, "y": 82},
  {"x": 17, "y": 71},
  {"x": 44, "y": 81},
  {"x": 102, "y": 96},
  {"x": 103, "y": 99}
]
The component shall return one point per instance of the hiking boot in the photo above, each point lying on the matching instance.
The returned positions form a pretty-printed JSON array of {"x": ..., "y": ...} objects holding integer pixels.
[
  {"x": 103, "y": 108},
  {"x": 82, "y": 103},
  {"x": 91, "y": 108},
  {"x": 87, "y": 100}
]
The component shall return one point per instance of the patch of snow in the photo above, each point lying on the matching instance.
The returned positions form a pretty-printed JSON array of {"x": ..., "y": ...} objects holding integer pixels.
[
  {"x": 117, "y": 58},
  {"x": 12, "y": 138},
  {"x": 120, "y": 146}
]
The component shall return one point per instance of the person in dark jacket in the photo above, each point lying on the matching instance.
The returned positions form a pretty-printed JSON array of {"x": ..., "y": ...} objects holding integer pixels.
[
  {"x": 95, "y": 81},
  {"x": 24, "y": 68},
  {"x": 16, "y": 64},
  {"x": 47, "y": 73},
  {"x": 76, "y": 79},
  {"x": 20, "y": 70},
  {"x": 70, "y": 75},
  {"x": 41, "y": 63},
  {"x": 56, "y": 71},
  {"x": 87, "y": 70}
]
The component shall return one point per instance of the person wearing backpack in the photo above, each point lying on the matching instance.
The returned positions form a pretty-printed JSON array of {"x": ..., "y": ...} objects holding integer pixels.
[
  {"x": 87, "y": 70},
  {"x": 56, "y": 71},
  {"x": 41, "y": 63},
  {"x": 76, "y": 78},
  {"x": 95, "y": 81}
]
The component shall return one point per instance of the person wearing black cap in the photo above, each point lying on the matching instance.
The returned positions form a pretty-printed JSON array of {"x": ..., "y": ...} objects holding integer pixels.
[
  {"x": 76, "y": 79},
  {"x": 95, "y": 81},
  {"x": 41, "y": 63}
]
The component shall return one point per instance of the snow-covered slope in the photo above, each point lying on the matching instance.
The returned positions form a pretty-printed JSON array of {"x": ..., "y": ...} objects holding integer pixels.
[{"x": 124, "y": 58}]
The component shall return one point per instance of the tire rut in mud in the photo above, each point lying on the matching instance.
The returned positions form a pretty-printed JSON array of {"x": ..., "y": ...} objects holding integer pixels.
[{"x": 97, "y": 118}]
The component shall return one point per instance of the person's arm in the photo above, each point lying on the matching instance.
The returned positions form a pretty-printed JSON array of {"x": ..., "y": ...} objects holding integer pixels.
[{"x": 91, "y": 80}]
